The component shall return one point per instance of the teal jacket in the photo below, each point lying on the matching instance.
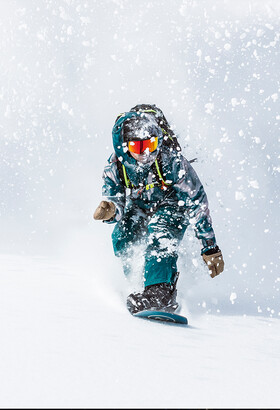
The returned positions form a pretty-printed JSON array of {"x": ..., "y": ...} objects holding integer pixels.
[{"x": 181, "y": 188}]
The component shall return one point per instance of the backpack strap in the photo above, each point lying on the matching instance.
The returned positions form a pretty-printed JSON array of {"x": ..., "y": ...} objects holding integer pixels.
[
  {"x": 159, "y": 173},
  {"x": 128, "y": 184},
  {"x": 157, "y": 168},
  {"x": 122, "y": 174}
]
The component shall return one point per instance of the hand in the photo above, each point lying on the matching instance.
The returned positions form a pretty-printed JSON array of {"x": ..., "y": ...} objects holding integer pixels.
[
  {"x": 214, "y": 261},
  {"x": 105, "y": 211}
]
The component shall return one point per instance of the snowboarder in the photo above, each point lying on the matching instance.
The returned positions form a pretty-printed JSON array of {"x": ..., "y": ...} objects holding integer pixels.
[{"x": 165, "y": 196}]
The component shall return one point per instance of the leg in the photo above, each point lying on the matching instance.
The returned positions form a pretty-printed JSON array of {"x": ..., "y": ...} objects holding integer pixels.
[
  {"x": 128, "y": 231},
  {"x": 165, "y": 231}
]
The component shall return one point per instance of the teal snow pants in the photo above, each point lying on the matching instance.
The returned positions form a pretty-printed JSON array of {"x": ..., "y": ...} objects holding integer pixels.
[{"x": 161, "y": 232}]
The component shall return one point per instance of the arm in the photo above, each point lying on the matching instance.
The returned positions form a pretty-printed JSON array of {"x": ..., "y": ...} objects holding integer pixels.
[
  {"x": 113, "y": 190},
  {"x": 190, "y": 190}
]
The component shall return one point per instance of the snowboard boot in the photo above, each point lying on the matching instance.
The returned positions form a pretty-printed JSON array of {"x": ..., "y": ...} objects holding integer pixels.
[{"x": 161, "y": 296}]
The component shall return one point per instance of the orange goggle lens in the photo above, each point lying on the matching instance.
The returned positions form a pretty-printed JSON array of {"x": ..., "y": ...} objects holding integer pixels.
[{"x": 138, "y": 147}]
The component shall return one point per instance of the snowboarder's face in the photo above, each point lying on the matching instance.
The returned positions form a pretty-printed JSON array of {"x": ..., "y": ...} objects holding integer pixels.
[{"x": 141, "y": 157}]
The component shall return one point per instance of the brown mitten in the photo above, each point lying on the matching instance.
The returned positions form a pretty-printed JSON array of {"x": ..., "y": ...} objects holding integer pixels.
[
  {"x": 105, "y": 211},
  {"x": 214, "y": 262}
]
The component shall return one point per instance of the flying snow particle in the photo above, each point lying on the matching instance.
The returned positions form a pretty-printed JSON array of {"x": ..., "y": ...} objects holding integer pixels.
[
  {"x": 254, "y": 184},
  {"x": 257, "y": 140},
  {"x": 195, "y": 263},
  {"x": 209, "y": 107},
  {"x": 269, "y": 26},
  {"x": 7, "y": 112},
  {"x": 181, "y": 173},
  {"x": 217, "y": 154},
  {"x": 234, "y": 102},
  {"x": 232, "y": 297},
  {"x": 239, "y": 196},
  {"x": 184, "y": 10},
  {"x": 260, "y": 32}
]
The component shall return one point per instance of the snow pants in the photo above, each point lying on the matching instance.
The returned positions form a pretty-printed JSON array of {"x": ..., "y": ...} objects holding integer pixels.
[{"x": 161, "y": 232}]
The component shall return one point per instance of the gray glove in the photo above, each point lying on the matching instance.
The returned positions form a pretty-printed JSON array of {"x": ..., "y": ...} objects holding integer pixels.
[
  {"x": 105, "y": 211},
  {"x": 214, "y": 260}
]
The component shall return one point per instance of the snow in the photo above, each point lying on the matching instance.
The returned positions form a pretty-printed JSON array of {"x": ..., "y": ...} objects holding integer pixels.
[
  {"x": 68, "y": 69},
  {"x": 67, "y": 343}
]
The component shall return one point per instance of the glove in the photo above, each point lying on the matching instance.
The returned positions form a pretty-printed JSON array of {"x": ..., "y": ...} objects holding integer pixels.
[
  {"x": 105, "y": 211},
  {"x": 214, "y": 260}
]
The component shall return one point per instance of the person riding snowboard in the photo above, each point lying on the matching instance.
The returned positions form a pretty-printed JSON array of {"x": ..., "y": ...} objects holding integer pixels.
[{"x": 165, "y": 196}]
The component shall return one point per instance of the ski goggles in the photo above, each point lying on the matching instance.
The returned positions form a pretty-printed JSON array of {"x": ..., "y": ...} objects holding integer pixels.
[{"x": 138, "y": 147}]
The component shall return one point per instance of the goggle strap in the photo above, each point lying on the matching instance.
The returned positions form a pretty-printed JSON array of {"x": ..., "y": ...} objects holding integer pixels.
[{"x": 148, "y": 111}]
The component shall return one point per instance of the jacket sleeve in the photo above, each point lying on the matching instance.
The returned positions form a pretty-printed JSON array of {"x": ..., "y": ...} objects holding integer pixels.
[
  {"x": 190, "y": 193},
  {"x": 113, "y": 189}
]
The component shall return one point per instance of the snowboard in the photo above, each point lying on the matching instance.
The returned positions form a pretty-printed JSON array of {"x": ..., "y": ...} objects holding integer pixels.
[{"x": 162, "y": 316}]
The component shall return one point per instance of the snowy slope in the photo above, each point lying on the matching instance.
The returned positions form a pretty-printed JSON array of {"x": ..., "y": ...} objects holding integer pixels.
[
  {"x": 68, "y": 69},
  {"x": 67, "y": 343}
]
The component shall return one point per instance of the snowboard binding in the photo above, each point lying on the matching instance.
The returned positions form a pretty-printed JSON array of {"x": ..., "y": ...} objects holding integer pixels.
[{"x": 160, "y": 297}]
